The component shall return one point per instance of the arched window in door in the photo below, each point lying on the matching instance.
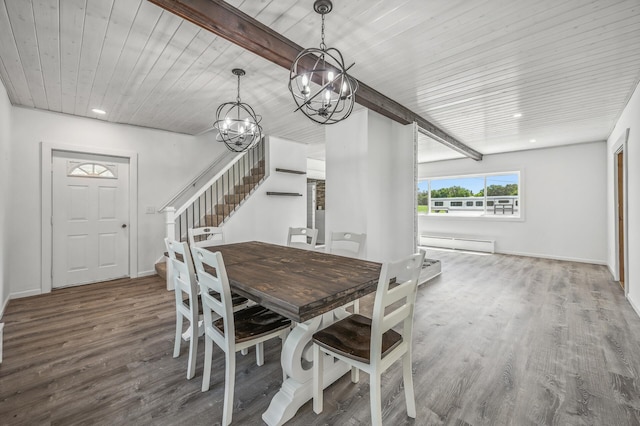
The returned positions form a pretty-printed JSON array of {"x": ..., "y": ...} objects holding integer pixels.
[{"x": 95, "y": 170}]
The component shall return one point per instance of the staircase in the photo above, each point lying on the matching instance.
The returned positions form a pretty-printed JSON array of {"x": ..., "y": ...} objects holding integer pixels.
[
  {"x": 218, "y": 199},
  {"x": 231, "y": 201}
]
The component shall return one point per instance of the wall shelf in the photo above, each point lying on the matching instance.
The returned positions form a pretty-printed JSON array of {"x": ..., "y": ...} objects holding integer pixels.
[
  {"x": 286, "y": 194},
  {"x": 295, "y": 172}
]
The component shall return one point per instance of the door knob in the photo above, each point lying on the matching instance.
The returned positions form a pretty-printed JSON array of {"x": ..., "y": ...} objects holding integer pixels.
[{"x": 124, "y": 225}]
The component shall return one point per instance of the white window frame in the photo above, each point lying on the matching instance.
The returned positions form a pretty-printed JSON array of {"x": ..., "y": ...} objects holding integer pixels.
[{"x": 505, "y": 217}]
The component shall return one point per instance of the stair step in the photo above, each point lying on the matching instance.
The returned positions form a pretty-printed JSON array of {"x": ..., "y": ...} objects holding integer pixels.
[
  {"x": 214, "y": 219},
  {"x": 243, "y": 189},
  {"x": 234, "y": 198},
  {"x": 258, "y": 171},
  {"x": 225, "y": 209},
  {"x": 252, "y": 179},
  {"x": 161, "y": 269}
]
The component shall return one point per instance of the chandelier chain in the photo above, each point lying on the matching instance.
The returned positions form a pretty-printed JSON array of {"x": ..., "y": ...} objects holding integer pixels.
[
  {"x": 322, "y": 45},
  {"x": 238, "y": 97}
]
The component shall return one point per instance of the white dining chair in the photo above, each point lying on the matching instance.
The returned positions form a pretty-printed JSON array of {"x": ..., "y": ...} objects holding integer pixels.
[
  {"x": 211, "y": 236},
  {"x": 304, "y": 238},
  {"x": 231, "y": 331},
  {"x": 371, "y": 345},
  {"x": 189, "y": 303},
  {"x": 208, "y": 236},
  {"x": 349, "y": 244},
  {"x": 186, "y": 295}
]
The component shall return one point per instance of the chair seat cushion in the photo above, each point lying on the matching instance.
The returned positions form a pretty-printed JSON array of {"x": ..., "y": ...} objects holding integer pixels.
[
  {"x": 253, "y": 322},
  {"x": 351, "y": 337},
  {"x": 236, "y": 300}
]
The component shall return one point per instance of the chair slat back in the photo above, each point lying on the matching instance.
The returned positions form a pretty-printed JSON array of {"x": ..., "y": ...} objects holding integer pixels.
[
  {"x": 389, "y": 309},
  {"x": 211, "y": 285},
  {"x": 183, "y": 274},
  {"x": 207, "y": 236},
  {"x": 302, "y": 238},
  {"x": 347, "y": 244}
]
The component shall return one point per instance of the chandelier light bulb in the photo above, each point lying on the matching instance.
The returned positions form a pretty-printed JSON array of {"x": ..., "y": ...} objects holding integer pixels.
[
  {"x": 330, "y": 76},
  {"x": 343, "y": 91}
]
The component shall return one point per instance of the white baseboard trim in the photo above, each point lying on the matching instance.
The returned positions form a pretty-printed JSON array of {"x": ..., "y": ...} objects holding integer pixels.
[
  {"x": 459, "y": 242},
  {"x": 4, "y": 306},
  {"x": 147, "y": 273},
  {"x": 633, "y": 305},
  {"x": 26, "y": 293},
  {"x": 552, "y": 257},
  {"x": 613, "y": 276}
]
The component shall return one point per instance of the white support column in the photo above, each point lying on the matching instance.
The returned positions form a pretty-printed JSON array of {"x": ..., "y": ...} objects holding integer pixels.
[{"x": 370, "y": 183}]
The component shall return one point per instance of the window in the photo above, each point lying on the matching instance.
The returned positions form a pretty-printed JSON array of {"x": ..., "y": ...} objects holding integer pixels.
[
  {"x": 490, "y": 195},
  {"x": 91, "y": 170}
]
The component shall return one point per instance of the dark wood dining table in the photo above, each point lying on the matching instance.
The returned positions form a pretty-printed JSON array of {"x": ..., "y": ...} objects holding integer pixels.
[{"x": 308, "y": 287}]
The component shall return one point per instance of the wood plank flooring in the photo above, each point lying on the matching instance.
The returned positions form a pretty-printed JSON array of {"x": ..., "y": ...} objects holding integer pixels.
[{"x": 499, "y": 340}]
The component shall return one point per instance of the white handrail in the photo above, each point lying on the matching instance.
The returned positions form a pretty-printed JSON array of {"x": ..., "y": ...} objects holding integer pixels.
[
  {"x": 229, "y": 157},
  {"x": 206, "y": 186}
]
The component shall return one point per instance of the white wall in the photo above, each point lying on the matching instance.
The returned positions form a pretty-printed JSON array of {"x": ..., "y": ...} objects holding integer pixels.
[
  {"x": 370, "y": 183},
  {"x": 166, "y": 162},
  {"x": 5, "y": 194},
  {"x": 563, "y": 206},
  {"x": 268, "y": 217},
  {"x": 630, "y": 118},
  {"x": 316, "y": 169}
]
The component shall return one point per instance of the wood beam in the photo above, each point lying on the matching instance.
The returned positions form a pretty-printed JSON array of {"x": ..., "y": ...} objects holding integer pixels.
[{"x": 241, "y": 29}]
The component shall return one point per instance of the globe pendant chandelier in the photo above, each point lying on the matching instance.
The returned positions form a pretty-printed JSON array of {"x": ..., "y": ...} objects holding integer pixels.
[
  {"x": 237, "y": 123},
  {"x": 319, "y": 82}
]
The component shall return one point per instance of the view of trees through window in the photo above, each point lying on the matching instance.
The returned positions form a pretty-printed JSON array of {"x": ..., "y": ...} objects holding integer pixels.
[{"x": 485, "y": 195}]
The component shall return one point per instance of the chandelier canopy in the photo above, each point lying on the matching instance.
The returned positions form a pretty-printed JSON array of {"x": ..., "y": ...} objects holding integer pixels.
[
  {"x": 319, "y": 82},
  {"x": 237, "y": 123}
]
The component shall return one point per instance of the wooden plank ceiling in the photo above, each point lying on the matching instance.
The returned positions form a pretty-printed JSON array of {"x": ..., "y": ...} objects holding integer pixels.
[{"x": 568, "y": 67}]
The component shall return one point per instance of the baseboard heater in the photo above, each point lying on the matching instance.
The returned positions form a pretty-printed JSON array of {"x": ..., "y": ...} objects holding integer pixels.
[{"x": 458, "y": 242}]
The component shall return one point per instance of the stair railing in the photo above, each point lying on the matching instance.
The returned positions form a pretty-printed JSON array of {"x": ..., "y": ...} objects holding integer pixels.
[{"x": 220, "y": 196}]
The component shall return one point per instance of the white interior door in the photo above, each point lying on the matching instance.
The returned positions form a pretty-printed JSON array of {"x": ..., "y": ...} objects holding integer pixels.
[{"x": 90, "y": 214}]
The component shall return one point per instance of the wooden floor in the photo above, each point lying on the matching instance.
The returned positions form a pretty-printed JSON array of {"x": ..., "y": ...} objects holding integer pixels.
[{"x": 499, "y": 340}]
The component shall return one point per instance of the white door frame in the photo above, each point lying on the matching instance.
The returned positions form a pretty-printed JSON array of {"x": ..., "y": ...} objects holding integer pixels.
[
  {"x": 621, "y": 146},
  {"x": 46, "y": 154}
]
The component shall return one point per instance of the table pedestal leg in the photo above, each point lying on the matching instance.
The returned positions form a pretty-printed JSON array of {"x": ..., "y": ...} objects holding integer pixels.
[{"x": 297, "y": 362}]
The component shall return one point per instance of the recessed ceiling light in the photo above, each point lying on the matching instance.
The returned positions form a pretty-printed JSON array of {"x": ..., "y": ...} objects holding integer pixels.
[
  {"x": 532, "y": 140},
  {"x": 99, "y": 111},
  {"x": 517, "y": 115}
]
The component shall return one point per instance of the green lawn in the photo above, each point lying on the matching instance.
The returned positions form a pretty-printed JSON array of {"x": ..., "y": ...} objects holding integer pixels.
[{"x": 423, "y": 209}]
